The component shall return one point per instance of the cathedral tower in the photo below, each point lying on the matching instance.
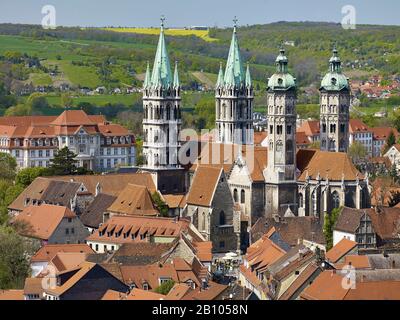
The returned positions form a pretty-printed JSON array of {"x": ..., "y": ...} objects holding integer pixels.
[
  {"x": 280, "y": 175},
  {"x": 334, "y": 108},
  {"x": 162, "y": 114},
  {"x": 234, "y": 99}
]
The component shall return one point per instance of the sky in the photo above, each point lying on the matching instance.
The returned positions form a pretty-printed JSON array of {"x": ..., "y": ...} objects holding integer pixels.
[{"x": 181, "y": 13}]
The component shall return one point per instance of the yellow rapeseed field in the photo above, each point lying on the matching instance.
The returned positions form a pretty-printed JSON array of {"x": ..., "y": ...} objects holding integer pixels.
[{"x": 203, "y": 34}]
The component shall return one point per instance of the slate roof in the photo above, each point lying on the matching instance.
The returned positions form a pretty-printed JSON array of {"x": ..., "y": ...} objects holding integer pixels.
[
  {"x": 290, "y": 229},
  {"x": 93, "y": 215}
]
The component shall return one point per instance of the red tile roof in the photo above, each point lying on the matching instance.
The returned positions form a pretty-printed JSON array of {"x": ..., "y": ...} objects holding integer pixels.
[{"x": 41, "y": 221}]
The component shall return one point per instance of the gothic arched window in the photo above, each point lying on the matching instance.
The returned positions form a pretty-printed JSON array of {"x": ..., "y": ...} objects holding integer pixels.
[
  {"x": 204, "y": 222},
  {"x": 301, "y": 200},
  {"x": 243, "y": 196},
  {"x": 235, "y": 195},
  {"x": 335, "y": 200},
  {"x": 222, "y": 221},
  {"x": 289, "y": 152}
]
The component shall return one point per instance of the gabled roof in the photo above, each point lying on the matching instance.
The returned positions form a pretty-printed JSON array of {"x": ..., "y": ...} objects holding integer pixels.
[
  {"x": 73, "y": 118},
  {"x": 111, "y": 184},
  {"x": 291, "y": 230},
  {"x": 382, "y": 133},
  {"x": 134, "y": 200},
  {"x": 310, "y": 128},
  {"x": 221, "y": 155},
  {"x": 47, "y": 190},
  {"x": 63, "y": 261},
  {"x": 204, "y": 185},
  {"x": 178, "y": 270},
  {"x": 42, "y": 221},
  {"x": 341, "y": 249},
  {"x": 385, "y": 221},
  {"x": 357, "y": 126},
  {"x": 93, "y": 215},
  {"x": 48, "y": 252},
  {"x": 82, "y": 270},
  {"x": 140, "y": 225},
  {"x": 332, "y": 165}
]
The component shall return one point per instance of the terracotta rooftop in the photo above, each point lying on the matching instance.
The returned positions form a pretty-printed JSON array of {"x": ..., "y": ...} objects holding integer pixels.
[
  {"x": 11, "y": 295},
  {"x": 382, "y": 133},
  {"x": 357, "y": 126},
  {"x": 328, "y": 286},
  {"x": 259, "y": 137},
  {"x": 42, "y": 221},
  {"x": 341, "y": 249},
  {"x": 134, "y": 200},
  {"x": 310, "y": 128},
  {"x": 224, "y": 156},
  {"x": 333, "y": 165},
  {"x": 178, "y": 270},
  {"x": 135, "y": 294},
  {"x": 204, "y": 185},
  {"x": 135, "y": 227},
  {"x": 48, "y": 252},
  {"x": 68, "y": 260}
]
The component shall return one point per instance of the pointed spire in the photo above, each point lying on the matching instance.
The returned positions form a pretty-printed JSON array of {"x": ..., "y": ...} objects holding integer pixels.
[
  {"x": 249, "y": 83},
  {"x": 177, "y": 83},
  {"x": 161, "y": 76},
  {"x": 147, "y": 79},
  {"x": 220, "y": 81},
  {"x": 234, "y": 64}
]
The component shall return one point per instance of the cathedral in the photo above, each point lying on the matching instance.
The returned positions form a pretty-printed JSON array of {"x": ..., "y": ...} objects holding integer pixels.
[{"x": 277, "y": 180}]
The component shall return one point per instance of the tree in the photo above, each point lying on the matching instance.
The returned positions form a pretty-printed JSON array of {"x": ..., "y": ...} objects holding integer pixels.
[
  {"x": 26, "y": 176},
  {"x": 390, "y": 141},
  {"x": 14, "y": 265},
  {"x": 63, "y": 163},
  {"x": 357, "y": 151},
  {"x": 8, "y": 166},
  {"x": 330, "y": 221},
  {"x": 160, "y": 204},
  {"x": 165, "y": 287}
]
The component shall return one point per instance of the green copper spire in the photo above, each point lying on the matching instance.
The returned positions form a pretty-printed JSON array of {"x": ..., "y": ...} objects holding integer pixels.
[
  {"x": 220, "y": 81},
  {"x": 335, "y": 80},
  {"x": 248, "y": 77},
  {"x": 281, "y": 80},
  {"x": 177, "y": 83},
  {"x": 147, "y": 80},
  {"x": 161, "y": 76},
  {"x": 234, "y": 74}
]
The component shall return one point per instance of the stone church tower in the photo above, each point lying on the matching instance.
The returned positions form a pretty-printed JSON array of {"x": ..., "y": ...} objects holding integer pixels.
[
  {"x": 162, "y": 114},
  {"x": 334, "y": 108},
  {"x": 234, "y": 99},
  {"x": 280, "y": 175}
]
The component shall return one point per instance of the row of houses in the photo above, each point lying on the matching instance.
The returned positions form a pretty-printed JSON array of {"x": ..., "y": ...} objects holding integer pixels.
[{"x": 372, "y": 138}]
